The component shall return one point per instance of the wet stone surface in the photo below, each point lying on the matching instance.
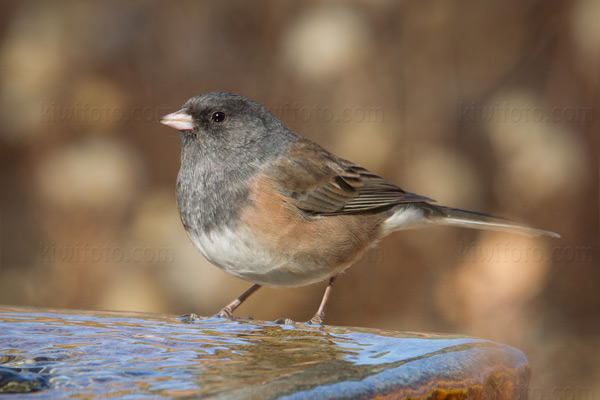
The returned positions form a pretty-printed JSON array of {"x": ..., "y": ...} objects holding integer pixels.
[{"x": 73, "y": 354}]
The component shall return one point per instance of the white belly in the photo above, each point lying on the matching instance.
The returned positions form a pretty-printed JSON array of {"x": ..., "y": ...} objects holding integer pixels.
[{"x": 237, "y": 255}]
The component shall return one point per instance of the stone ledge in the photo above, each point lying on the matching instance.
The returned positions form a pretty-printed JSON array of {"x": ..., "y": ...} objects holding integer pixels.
[{"x": 104, "y": 354}]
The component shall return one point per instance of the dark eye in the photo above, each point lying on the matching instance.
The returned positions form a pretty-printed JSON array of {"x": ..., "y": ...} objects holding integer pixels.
[{"x": 218, "y": 116}]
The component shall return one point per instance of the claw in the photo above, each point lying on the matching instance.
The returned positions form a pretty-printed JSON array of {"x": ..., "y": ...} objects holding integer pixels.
[
  {"x": 187, "y": 318},
  {"x": 225, "y": 313},
  {"x": 284, "y": 321},
  {"x": 317, "y": 319}
]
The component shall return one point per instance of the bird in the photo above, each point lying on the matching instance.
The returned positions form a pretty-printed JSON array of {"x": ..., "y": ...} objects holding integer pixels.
[{"x": 271, "y": 207}]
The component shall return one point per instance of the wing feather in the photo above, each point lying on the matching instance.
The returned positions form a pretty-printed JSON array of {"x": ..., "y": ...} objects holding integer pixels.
[{"x": 319, "y": 182}]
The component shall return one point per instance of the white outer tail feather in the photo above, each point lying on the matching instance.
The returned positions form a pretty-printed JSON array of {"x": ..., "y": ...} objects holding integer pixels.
[{"x": 415, "y": 216}]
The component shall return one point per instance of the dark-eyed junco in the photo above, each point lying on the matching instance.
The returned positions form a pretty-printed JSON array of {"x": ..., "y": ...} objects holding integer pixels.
[{"x": 271, "y": 207}]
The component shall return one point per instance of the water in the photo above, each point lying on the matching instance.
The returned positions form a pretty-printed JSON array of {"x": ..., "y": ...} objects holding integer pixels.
[{"x": 101, "y": 355}]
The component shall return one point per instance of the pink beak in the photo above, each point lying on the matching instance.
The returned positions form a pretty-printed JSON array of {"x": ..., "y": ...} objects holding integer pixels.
[{"x": 180, "y": 120}]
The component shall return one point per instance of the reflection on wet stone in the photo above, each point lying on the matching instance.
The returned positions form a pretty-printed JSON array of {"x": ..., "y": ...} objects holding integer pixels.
[
  {"x": 118, "y": 354},
  {"x": 20, "y": 381}
]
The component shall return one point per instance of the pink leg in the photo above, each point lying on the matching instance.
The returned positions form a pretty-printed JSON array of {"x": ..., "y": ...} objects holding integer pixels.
[
  {"x": 227, "y": 311},
  {"x": 319, "y": 316}
]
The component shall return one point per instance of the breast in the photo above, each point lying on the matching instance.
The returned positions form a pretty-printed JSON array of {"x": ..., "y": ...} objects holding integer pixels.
[
  {"x": 271, "y": 242},
  {"x": 302, "y": 249}
]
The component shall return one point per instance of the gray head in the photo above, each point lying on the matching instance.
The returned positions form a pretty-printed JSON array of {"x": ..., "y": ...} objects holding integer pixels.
[
  {"x": 225, "y": 140},
  {"x": 223, "y": 127}
]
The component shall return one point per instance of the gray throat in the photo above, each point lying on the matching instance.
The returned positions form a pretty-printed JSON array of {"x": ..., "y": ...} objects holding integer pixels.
[{"x": 212, "y": 184}]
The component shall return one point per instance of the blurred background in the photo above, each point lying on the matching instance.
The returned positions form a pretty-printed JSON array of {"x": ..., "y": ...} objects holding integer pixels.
[{"x": 487, "y": 105}]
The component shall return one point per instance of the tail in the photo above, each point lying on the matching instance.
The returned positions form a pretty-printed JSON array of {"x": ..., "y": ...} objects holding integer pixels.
[{"x": 470, "y": 219}]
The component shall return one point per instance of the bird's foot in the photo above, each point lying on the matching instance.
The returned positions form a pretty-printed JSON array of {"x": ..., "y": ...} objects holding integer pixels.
[
  {"x": 188, "y": 318},
  {"x": 225, "y": 313},
  {"x": 317, "y": 319},
  {"x": 284, "y": 321}
]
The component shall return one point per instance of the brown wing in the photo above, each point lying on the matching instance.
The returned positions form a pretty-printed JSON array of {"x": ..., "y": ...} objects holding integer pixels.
[{"x": 318, "y": 182}]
